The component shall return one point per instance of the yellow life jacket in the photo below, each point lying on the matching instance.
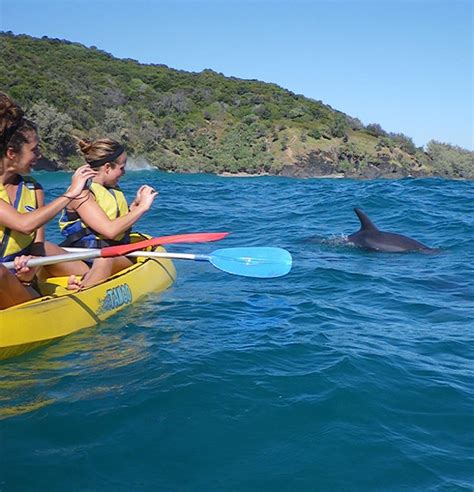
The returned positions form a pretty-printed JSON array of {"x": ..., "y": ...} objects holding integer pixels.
[
  {"x": 78, "y": 234},
  {"x": 14, "y": 243}
]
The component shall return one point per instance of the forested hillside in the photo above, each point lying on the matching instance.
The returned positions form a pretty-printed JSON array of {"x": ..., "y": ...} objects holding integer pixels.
[{"x": 201, "y": 122}]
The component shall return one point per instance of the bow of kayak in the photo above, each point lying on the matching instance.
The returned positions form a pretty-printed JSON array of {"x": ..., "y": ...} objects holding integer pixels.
[{"x": 61, "y": 312}]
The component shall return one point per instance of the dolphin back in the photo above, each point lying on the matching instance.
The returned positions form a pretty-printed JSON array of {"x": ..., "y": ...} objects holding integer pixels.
[{"x": 390, "y": 242}]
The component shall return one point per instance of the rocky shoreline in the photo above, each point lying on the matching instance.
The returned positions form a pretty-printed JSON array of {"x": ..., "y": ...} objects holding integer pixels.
[{"x": 309, "y": 167}]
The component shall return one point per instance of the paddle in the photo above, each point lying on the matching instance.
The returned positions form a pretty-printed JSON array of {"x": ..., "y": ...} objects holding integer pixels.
[
  {"x": 123, "y": 249},
  {"x": 248, "y": 262}
]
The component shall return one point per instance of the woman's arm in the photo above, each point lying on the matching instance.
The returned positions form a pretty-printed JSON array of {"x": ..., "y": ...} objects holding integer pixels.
[
  {"x": 31, "y": 221},
  {"x": 95, "y": 218}
]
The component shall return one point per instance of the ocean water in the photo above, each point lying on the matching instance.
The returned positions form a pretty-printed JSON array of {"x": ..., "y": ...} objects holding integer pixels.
[{"x": 354, "y": 372}]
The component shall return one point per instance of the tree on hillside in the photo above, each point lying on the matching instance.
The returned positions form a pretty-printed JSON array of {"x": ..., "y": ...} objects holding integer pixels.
[
  {"x": 338, "y": 127},
  {"x": 450, "y": 160},
  {"x": 404, "y": 142},
  {"x": 115, "y": 120},
  {"x": 375, "y": 130},
  {"x": 54, "y": 127}
]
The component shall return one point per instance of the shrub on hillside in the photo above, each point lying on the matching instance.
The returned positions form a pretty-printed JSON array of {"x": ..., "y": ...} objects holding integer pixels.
[{"x": 54, "y": 127}]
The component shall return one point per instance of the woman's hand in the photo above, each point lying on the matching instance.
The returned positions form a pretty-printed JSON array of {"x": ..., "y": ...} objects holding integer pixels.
[
  {"x": 79, "y": 179},
  {"x": 145, "y": 197},
  {"x": 23, "y": 272},
  {"x": 136, "y": 200}
]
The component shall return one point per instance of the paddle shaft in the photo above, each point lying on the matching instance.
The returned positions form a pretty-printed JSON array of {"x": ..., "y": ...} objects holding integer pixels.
[
  {"x": 152, "y": 254},
  {"x": 94, "y": 253},
  {"x": 171, "y": 256},
  {"x": 52, "y": 260}
]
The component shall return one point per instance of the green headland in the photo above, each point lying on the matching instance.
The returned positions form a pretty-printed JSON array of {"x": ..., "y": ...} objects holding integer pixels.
[{"x": 201, "y": 122}]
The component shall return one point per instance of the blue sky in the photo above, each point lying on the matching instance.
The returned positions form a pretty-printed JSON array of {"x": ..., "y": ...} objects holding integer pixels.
[{"x": 405, "y": 64}]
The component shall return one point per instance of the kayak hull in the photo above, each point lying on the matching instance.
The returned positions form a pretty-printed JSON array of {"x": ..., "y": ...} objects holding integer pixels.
[{"x": 62, "y": 312}]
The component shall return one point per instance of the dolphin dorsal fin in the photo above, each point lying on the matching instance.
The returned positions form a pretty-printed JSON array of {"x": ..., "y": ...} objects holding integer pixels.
[{"x": 365, "y": 222}]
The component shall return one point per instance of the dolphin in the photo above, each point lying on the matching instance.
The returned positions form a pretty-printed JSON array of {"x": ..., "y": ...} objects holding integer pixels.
[{"x": 369, "y": 237}]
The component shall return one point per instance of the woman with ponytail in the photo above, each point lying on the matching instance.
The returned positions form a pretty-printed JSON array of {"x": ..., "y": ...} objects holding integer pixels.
[{"x": 101, "y": 216}]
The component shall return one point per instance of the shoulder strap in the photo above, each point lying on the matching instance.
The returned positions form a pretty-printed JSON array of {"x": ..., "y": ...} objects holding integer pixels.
[{"x": 7, "y": 232}]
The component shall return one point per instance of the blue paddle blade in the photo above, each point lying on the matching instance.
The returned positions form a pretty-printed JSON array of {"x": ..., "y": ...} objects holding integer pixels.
[{"x": 252, "y": 262}]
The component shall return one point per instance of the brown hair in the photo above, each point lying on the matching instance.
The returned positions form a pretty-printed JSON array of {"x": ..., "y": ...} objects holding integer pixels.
[
  {"x": 14, "y": 127},
  {"x": 98, "y": 151}
]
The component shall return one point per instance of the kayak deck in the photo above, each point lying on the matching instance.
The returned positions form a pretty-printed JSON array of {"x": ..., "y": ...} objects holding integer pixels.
[{"x": 61, "y": 312}]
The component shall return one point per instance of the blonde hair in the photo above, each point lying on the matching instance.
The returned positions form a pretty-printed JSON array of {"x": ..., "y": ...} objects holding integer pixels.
[{"x": 99, "y": 150}]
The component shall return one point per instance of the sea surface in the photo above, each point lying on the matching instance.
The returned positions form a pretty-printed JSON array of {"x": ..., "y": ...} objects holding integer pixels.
[{"x": 354, "y": 372}]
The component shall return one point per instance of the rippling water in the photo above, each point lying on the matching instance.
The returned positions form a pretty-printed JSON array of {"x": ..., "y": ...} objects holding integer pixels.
[{"x": 355, "y": 372}]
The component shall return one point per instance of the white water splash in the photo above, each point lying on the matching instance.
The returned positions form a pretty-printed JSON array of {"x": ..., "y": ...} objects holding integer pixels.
[{"x": 138, "y": 164}]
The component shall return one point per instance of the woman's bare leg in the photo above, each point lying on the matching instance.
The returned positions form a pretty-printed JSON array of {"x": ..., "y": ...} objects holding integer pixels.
[
  {"x": 12, "y": 291},
  {"x": 60, "y": 269},
  {"x": 101, "y": 269}
]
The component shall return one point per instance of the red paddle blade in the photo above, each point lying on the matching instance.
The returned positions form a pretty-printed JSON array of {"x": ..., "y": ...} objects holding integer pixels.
[{"x": 198, "y": 237}]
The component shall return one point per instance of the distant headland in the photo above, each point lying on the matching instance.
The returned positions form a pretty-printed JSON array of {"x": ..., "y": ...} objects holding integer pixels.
[{"x": 202, "y": 122}]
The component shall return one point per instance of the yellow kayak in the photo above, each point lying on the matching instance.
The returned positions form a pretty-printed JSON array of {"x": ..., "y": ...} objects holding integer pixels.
[{"x": 62, "y": 312}]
